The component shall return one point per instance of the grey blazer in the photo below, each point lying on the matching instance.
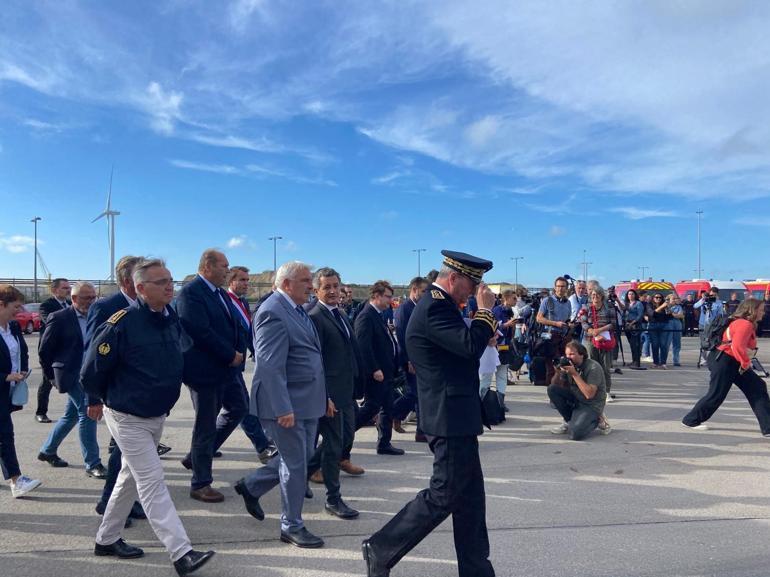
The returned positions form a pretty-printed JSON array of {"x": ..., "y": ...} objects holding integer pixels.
[{"x": 288, "y": 373}]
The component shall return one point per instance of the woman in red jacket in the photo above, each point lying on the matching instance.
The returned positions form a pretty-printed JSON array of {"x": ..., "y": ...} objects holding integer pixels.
[{"x": 730, "y": 363}]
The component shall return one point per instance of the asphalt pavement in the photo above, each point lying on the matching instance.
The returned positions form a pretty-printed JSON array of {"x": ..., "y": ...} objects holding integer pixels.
[{"x": 650, "y": 499}]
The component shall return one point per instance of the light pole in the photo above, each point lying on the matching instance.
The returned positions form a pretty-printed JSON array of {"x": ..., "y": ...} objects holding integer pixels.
[
  {"x": 585, "y": 264},
  {"x": 700, "y": 270},
  {"x": 643, "y": 268},
  {"x": 275, "y": 240},
  {"x": 516, "y": 260},
  {"x": 35, "y": 221},
  {"x": 418, "y": 251}
]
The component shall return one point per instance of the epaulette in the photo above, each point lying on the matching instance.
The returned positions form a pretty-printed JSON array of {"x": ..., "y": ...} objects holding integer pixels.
[
  {"x": 437, "y": 294},
  {"x": 487, "y": 317},
  {"x": 117, "y": 316}
]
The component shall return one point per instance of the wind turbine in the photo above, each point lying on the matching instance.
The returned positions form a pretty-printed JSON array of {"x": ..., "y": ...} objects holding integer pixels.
[{"x": 110, "y": 215}]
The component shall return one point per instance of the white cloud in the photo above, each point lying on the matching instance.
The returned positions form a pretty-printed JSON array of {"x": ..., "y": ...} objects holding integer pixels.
[
  {"x": 237, "y": 241},
  {"x": 752, "y": 221},
  {"x": 388, "y": 178},
  {"x": 634, "y": 213},
  {"x": 290, "y": 246},
  {"x": 557, "y": 231},
  {"x": 203, "y": 167},
  {"x": 482, "y": 131},
  {"x": 17, "y": 243},
  {"x": 163, "y": 107},
  {"x": 230, "y": 141},
  {"x": 267, "y": 171}
]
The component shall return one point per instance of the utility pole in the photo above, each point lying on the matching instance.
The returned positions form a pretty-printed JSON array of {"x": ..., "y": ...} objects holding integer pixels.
[
  {"x": 700, "y": 270},
  {"x": 418, "y": 251},
  {"x": 643, "y": 268},
  {"x": 275, "y": 240},
  {"x": 585, "y": 264},
  {"x": 35, "y": 221},
  {"x": 516, "y": 260}
]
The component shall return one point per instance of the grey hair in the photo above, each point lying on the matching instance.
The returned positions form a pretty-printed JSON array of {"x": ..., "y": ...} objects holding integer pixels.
[
  {"x": 324, "y": 272},
  {"x": 141, "y": 268},
  {"x": 597, "y": 288},
  {"x": 445, "y": 272},
  {"x": 79, "y": 285},
  {"x": 288, "y": 270}
]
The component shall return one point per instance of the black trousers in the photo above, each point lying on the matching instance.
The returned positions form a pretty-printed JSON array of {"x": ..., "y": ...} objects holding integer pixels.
[
  {"x": 724, "y": 373},
  {"x": 337, "y": 432},
  {"x": 378, "y": 398},
  {"x": 457, "y": 489},
  {"x": 43, "y": 396},
  {"x": 634, "y": 337},
  {"x": 9, "y": 463},
  {"x": 212, "y": 429},
  {"x": 582, "y": 419},
  {"x": 409, "y": 402}
]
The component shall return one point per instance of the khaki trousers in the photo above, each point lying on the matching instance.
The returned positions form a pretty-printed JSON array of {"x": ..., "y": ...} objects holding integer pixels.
[{"x": 141, "y": 477}]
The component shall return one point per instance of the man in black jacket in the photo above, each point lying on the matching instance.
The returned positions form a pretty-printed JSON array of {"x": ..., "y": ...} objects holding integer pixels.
[
  {"x": 212, "y": 368},
  {"x": 378, "y": 358},
  {"x": 134, "y": 367},
  {"x": 61, "y": 357},
  {"x": 446, "y": 352},
  {"x": 60, "y": 290},
  {"x": 339, "y": 350}
]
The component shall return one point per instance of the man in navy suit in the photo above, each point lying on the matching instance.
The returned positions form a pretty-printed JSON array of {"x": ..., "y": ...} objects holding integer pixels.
[
  {"x": 378, "y": 357},
  {"x": 408, "y": 402},
  {"x": 211, "y": 368},
  {"x": 61, "y": 356},
  {"x": 237, "y": 288},
  {"x": 60, "y": 290}
]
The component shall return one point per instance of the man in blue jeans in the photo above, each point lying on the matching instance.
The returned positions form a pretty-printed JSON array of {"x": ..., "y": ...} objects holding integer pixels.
[{"x": 61, "y": 356}]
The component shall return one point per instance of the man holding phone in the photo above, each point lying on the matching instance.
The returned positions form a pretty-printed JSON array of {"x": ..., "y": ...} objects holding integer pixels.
[{"x": 579, "y": 393}]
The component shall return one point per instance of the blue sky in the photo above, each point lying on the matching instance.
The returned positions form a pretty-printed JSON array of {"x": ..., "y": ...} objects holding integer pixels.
[{"x": 359, "y": 131}]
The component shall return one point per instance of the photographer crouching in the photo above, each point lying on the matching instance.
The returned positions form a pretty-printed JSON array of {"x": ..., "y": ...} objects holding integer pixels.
[{"x": 579, "y": 393}]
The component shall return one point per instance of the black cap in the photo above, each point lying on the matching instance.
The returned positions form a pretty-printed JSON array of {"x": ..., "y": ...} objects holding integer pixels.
[{"x": 471, "y": 266}]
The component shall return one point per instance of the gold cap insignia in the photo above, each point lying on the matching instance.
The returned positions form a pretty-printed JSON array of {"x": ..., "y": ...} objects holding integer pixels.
[{"x": 104, "y": 349}]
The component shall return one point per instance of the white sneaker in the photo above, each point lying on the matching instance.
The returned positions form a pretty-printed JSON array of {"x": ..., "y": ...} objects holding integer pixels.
[
  {"x": 23, "y": 485},
  {"x": 604, "y": 426},
  {"x": 610, "y": 399},
  {"x": 646, "y": 359},
  {"x": 411, "y": 417},
  {"x": 701, "y": 427},
  {"x": 560, "y": 429}
]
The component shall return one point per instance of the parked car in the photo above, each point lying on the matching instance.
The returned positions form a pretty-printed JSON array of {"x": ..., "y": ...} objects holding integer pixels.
[{"x": 29, "y": 318}]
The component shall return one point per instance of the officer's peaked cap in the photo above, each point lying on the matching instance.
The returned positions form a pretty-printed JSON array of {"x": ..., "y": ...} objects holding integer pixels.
[{"x": 469, "y": 265}]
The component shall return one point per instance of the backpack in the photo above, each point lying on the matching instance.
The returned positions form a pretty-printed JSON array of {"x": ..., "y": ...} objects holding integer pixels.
[{"x": 712, "y": 334}]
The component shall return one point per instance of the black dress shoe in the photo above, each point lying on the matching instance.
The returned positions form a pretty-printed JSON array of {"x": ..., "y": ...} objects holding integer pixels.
[
  {"x": 389, "y": 450},
  {"x": 163, "y": 449},
  {"x": 251, "y": 502},
  {"x": 187, "y": 463},
  {"x": 340, "y": 509},
  {"x": 119, "y": 549},
  {"x": 137, "y": 512},
  {"x": 373, "y": 567},
  {"x": 98, "y": 472},
  {"x": 308, "y": 492},
  {"x": 191, "y": 562},
  {"x": 43, "y": 419},
  {"x": 52, "y": 460},
  {"x": 217, "y": 454},
  {"x": 302, "y": 538}
]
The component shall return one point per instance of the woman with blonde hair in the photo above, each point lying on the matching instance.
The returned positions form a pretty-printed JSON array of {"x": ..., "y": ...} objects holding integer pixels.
[{"x": 730, "y": 363}]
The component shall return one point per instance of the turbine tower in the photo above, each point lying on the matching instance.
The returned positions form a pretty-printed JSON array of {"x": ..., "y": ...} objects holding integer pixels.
[{"x": 110, "y": 215}]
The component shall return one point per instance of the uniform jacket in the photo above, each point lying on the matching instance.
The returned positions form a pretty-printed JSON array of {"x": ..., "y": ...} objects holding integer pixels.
[
  {"x": 375, "y": 343},
  {"x": 288, "y": 368},
  {"x": 103, "y": 309},
  {"x": 134, "y": 362},
  {"x": 216, "y": 335},
  {"x": 445, "y": 353},
  {"x": 5, "y": 360},
  {"x": 61, "y": 349},
  {"x": 339, "y": 352}
]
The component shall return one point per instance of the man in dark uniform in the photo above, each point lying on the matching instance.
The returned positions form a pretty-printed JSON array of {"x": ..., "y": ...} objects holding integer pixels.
[
  {"x": 134, "y": 367},
  {"x": 445, "y": 353}
]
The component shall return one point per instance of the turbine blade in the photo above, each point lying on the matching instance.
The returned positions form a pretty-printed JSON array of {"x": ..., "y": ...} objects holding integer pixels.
[
  {"x": 109, "y": 194},
  {"x": 100, "y": 216}
]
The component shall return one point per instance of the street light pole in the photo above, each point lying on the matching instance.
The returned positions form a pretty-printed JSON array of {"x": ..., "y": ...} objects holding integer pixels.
[
  {"x": 516, "y": 260},
  {"x": 418, "y": 251},
  {"x": 643, "y": 268},
  {"x": 275, "y": 240},
  {"x": 35, "y": 221},
  {"x": 700, "y": 270}
]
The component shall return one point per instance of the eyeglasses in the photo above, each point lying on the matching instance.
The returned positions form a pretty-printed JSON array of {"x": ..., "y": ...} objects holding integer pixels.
[{"x": 161, "y": 282}]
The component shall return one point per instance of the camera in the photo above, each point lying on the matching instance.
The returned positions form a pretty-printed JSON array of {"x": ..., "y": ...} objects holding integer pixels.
[
  {"x": 711, "y": 299},
  {"x": 562, "y": 362}
]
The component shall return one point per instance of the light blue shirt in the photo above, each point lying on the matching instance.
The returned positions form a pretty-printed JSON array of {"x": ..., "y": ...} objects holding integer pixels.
[{"x": 709, "y": 312}]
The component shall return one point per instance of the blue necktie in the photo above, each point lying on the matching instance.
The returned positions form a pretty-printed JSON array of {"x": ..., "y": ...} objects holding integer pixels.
[{"x": 305, "y": 318}]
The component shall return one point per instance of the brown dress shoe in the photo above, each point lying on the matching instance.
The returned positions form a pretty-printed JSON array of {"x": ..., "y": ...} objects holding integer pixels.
[
  {"x": 317, "y": 477},
  {"x": 397, "y": 427},
  {"x": 351, "y": 469},
  {"x": 207, "y": 495}
]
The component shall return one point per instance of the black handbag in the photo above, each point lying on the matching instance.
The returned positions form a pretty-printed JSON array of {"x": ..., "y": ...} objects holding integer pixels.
[{"x": 493, "y": 407}]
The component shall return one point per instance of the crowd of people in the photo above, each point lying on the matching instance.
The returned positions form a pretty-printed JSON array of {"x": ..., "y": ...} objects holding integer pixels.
[{"x": 324, "y": 367}]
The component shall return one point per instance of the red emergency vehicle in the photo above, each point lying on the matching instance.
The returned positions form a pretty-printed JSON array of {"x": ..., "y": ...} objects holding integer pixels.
[
  {"x": 758, "y": 288},
  {"x": 643, "y": 286}
]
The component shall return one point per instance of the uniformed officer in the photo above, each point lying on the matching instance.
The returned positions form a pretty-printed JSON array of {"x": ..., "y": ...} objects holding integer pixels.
[
  {"x": 134, "y": 367},
  {"x": 445, "y": 353}
]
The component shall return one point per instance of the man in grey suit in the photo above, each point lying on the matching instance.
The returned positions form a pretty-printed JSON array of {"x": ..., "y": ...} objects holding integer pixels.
[{"x": 288, "y": 394}]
